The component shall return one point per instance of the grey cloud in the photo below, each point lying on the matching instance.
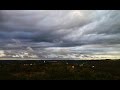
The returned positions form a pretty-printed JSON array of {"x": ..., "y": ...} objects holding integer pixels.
[{"x": 62, "y": 28}]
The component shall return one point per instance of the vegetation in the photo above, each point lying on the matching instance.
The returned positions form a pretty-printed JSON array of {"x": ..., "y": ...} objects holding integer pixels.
[{"x": 60, "y": 70}]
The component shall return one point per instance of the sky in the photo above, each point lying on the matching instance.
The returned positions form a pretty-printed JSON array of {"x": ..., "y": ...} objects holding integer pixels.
[{"x": 91, "y": 32}]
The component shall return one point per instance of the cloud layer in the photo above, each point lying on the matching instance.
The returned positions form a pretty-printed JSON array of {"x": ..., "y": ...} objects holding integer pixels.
[{"x": 61, "y": 28}]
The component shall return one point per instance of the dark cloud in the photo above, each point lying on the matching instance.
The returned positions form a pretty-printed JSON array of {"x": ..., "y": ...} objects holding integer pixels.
[{"x": 60, "y": 28}]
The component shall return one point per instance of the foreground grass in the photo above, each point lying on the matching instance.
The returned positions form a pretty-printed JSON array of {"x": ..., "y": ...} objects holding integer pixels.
[{"x": 92, "y": 70}]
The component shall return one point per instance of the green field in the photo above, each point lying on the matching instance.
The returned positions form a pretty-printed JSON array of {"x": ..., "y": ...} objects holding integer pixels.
[{"x": 60, "y": 70}]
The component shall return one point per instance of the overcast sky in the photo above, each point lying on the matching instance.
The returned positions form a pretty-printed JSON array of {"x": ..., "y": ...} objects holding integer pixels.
[{"x": 86, "y": 30}]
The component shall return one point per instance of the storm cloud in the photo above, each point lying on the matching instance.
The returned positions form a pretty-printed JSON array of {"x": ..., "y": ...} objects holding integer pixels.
[{"x": 61, "y": 28}]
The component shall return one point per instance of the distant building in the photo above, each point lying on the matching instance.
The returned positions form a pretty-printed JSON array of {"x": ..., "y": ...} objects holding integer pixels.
[{"x": 73, "y": 67}]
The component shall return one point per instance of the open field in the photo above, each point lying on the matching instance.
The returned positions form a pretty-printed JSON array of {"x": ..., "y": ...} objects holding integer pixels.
[{"x": 60, "y": 70}]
